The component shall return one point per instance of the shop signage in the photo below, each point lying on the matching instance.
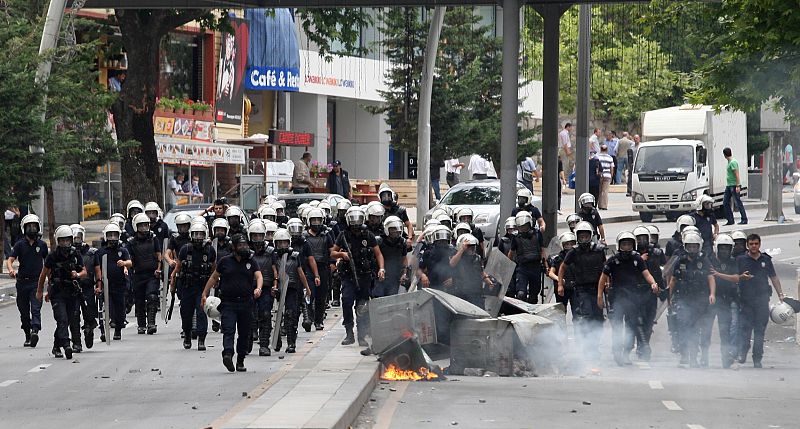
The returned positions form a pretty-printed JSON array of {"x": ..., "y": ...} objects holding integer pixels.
[
  {"x": 182, "y": 128},
  {"x": 290, "y": 138},
  {"x": 273, "y": 79},
  {"x": 191, "y": 152}
]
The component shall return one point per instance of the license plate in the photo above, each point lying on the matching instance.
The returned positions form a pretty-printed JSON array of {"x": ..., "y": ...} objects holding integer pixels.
[{"x": 662, "y": 207}]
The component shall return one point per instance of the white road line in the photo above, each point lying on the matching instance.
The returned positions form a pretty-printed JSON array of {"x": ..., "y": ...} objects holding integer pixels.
[
  {"x": 39, "y": 368},
  {"x": 695, "y": 426},
  {"x": 8, "y": 383},
  {"x": 672, "y": 405},
  {"x": 789, "y": 259},
  {"x": 642, "y": 365},
  {"x": 656, "y": 385}
]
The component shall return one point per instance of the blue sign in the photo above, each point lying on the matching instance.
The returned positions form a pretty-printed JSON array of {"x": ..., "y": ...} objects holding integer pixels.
[{"x": 272, "y": 79}]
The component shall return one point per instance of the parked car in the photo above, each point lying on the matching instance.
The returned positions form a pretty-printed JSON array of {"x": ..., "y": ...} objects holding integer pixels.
[
  {"x": 293, "y": 201},
  {"x": 483, "y": 197},
  {"x": 190, "y": 209}
]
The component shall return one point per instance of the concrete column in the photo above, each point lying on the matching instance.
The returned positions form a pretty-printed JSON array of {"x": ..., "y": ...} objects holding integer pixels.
[
  {"x": 509, "y": 115},
  {"x": 583, "y": 111}
]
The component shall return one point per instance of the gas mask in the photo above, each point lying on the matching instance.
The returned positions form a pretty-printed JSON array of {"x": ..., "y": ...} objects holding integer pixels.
[
  {"x": 522, "y": 202},
  {"x": 625, "y": 249},
  {"x": 394, "y": 234},
  {"x": 32, "y": 231},
  {"x": 642, "y": 243},
  {"x": 739, "y": 247},
  {"x": 282, "y": 247},
  {"x": 587, "y": 208},
  {"x": 724, "y": 251},
  {"x": 198, "y": 238},
  {"x": 386, "y": 199},
  {"x": 584, "y": 239},
  {"x": 183, "y": 229}
]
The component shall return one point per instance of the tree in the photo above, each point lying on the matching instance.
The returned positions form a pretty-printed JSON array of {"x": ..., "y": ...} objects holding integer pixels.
[
  {"x": 465, "y": 105},
  {"x": 142, "y": 31}
]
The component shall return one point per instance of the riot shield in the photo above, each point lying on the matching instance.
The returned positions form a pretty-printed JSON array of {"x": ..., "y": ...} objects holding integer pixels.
[
  {"x": 106, "y": 308},
  {"x": 501, "y": 269},
  {"x": 414, "y": 264},
  {"x": 284, "y": 285},
  {"x": 164, "y": 293}
]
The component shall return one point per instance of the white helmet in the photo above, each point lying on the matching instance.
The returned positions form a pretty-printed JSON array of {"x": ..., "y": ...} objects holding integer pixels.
[
  {"x": 692, "y": 238},
  {"x": 315, "y": 213},
  {"x": 781, "y": 313},
  {"x": 626, "y": 235},
  {"x": 437, "y": 211},
  {"x": 152, "y": 207},
  {"x": 280, "y": 237},
  {"x": 134, "y": 204},
  {"x": 234, "y": 211},
  {"x": 268, "y": 212},
  {"x": 313, "y": 203},
  {"x": 384, "y": 189},
  {"x": 294, "y": 226},
  {"x": 641, "y": 230},
  {"x": 689, "y": 229},
  {"x": 427, "y": 233},
  {"x": 565, "y": 238},
  {"x": 684, "y": 221},
  {"x": 444, "y": 217},
  {"x": 199, "y": 219},
  {"x": 431, "y": 222},
  {"x": 462, "y": 227},
  {"x": 182, "y": 219},
  {"x": 140, "y": 219},
  {"x": 441, "y": 233},
  {"x": 269, "y": 199},
  {"x": 392, "y": 222},
  {"x": 354, "y": 216},
  {"x": 523, "y": 218},
  {"x": 524, "y": 196},
  {"x": 703, "y": 200},
  {"x": 325, "y": 207},
  {"x": 270, "y": 228},
  {"x": 64, "y": 231},
  {"x": 343, "y": 205},
  {"x": 198, "y": 232},
  {"x": 466, "y": 211},
  {"x": 510, "y": 223},
  {"x": 118, "y": 218},
  {"x": 31, "y": 218},
  {"x": 111, "y": 228},
  {"x": 376, "y": 210},
  {"x": 211, "y": 310},
  {"x": 586, "y": 198},
  {"x": 467, "y": 238},
  {"x": 573, "y": 220},
  {"x": 256, "y": 227},
  {"x": 583, "y": 226},
  {"x": 738, "y": 235},
  {"x": 654, "y": 233},
  {"x": 77, "y": 229},
  {"x": 723, "y": 240},
  {"x": 220, "y": 223},
  {"x": 278, "y": 204}
]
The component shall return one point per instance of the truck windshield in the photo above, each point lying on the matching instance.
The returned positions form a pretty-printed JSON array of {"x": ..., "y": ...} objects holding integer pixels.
[{"x": 664, "y": 159}]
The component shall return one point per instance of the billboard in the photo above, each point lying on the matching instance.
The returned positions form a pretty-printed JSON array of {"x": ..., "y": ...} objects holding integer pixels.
[{"x": 231, "y": 73}]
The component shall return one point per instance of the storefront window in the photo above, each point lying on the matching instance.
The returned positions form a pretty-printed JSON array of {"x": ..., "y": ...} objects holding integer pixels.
[{"x": 180, "y": 70}]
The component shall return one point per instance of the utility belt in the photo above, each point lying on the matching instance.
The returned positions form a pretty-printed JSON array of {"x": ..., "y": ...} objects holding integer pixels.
[
  {"x": 585, "y": 286},
  {"x": 68, "y": 287}
]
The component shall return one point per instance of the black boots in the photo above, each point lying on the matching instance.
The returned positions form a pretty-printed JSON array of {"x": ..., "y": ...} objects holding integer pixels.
[
  {"x": 77, "y": 347},
  {"x": 117, "y": 334},
  {"x": 306, "y": 319},
  {"x": 152, "y": 309},
  {"x": 227, "y": 360},
  {"x": 264, "y": 351},
  {"x": 291, "y": 340},
  {"x": 68, "y": 352},
  {"x": 88, "y": 334},
  {"x": 201, "y": 342},
  {"x": 240, "y": 363},
  {"x": 34, "y": 338},
  {"x": 57, "y": 352},
  {"x": 215, "y": 326},
  {"x": 187, "y": 340},
  {"x": 350, "y": 338},
  {"x": 27, "y": 338}
]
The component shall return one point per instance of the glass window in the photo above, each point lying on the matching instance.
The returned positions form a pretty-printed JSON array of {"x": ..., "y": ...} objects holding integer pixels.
[
  {"x": 473, "y": 196},
  {"x": 665, "y": 159},
  {"x": 180, "y": 71}
]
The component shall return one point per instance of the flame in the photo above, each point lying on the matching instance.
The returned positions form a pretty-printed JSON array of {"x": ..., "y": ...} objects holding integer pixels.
[{"x": 392, "y": 372}]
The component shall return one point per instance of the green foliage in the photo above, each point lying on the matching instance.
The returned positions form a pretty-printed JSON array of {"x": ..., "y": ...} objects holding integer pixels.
[
  {"x": 328, "y": 26},
  {"x": 465, "y": 105},
  {"x": 74, "y": 134}
]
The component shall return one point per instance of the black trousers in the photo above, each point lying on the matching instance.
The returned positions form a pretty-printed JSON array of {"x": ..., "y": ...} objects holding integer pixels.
[
  {"x": 191, "y": 297},
  {"x": 63, "y": 308},
  {"x": 589, "y": 320},
  {"x": 319, "y": 294},
  {"x": 235, "y": 317},
  {"x": 354, "y": 297},
  {"x": 291, "y": 312},
  {"x": 30, "y": 308},
  {"x": 753, "y": 319},
  {"x": 145, "y": 292}
]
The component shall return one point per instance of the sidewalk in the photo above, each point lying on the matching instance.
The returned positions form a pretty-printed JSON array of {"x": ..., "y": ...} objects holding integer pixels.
[{"x": 326, "y": 389}]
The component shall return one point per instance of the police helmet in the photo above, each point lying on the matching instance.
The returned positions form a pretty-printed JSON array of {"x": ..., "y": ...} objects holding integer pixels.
[
  {"x": 586, "y": 198},
  {"x": 235, "y": 212},
  {"x": 211, "y": 308},
  {"x": 467, "y": 238},
  {"x": 510, "y": 223},
  {"x": 626, "y": 236},
  {"x": 270, "y": 228},
  {"x": 738, "y": 235},
  {"x": 343, "y": 205},
  {"x": 573, "y": 220},
  {"x": 139, "y": 220},
  {"x": 432, "y": 222},
  {"x": 441, "y": 233},
  {"x": 781, "y": 313},
  {"x": 654, "y": 233},
  {"x": 182, "y": 219},
  {"x": 375, "y": 211},
  {"x": 256, "y": 231},
  {"x": 354, "y": 216},
  {"x": 152, "y": 210},
  {"x": 64, "y": 233},
  {"x": 294, "y": 226},
  {"x": 465, "y": 212},
  {"x": 118, "y": 218},
  {"x": 584, "y": 229},
  {"x": 78, "y": 232},
  {"x": 524, "y": 197},
  {"x": 220, "y": 223},
  {"x": 325, "y": 207},
  {"x": 313, "y": 203},
  {"x": 386, "y": 194},
  {"x": 31, "y": 219},
  {"x": 462, "y": 228},
  {"x": 282, "y": 238},
  {"x": 704, "y": 202},
  {"x": 692, "y": 242},
  {"x": 268, "y": 212},
  {"x": 684, "y": 221},
  {"x": 523, "y": 218},
  {"x": 269, "y": 199},
  {"x": 134, "y": 204},
  {"x": 315, "y": 216},
  {"x": 393, "y": 226},
  {"x": 111, "y": 233},
  {"x": 438, "y": 211},
  {"x": 565, "y": 238},
  {"x": 427, "y": 233},
  {"x": 689, "y": 229}
]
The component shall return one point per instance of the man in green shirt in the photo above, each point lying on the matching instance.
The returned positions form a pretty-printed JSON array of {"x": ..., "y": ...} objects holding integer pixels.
[{"x": 733, "y": 189}]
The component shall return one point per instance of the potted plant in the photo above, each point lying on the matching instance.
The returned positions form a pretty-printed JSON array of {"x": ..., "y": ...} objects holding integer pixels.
[
  {"x": 166, "y": 105},
  {"x": 202, "y": 109}
]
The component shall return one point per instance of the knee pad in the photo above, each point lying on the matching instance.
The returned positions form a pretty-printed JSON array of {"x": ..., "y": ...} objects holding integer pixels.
[
  {"x": 362, "y": 307},
  {"x": 152, "y": 298}
]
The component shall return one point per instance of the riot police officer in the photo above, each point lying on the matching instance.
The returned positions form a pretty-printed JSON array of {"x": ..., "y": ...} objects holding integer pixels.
[
  {"x": 297, "y": 287},
  {"x": 525, "y": 203},
  {"x": 739, "y": 243},
  {"x": 630, "y": 289},
  {"x": 145, "y": 251},
  {"x": 359, "y": 252},
  {"x": 118, "y": 260},
  {"x": 586, "y": 262},
  {"x": 221, "y": 238},
  {"x": 196, "y": 260},
  {"x": 158, "y": 227},
  {"x": 434, "y": 263},
  {"x": 63, "y": 267},
  {"x": 394, "y": 249},
  {"x": 706, "y": 222},
  {"x": 567, "y": 241},
  {"x": 320, "y": 244},
  {"x": 527, "y": 249},
  {"x": 504, "y": 241},
  {"x": 31, "y": 252},
  {"x": 86, "y": 300},
  {"x": 388, "y": 199},
  {"x": 692, "y": 289},
  {"x": 133, "y": 208},
  {"x": 375, "y": 215},
  {"x": 264, "y": 254},
  {"x": 655, "y": 259},
  {"x": 466, "y": 216},
  {"x": 726, "y": 309},
  {"x": 675, "y": 244},
  {"x": 589, "y": 213},
  {"x": 468, "y": 277},
  {"x": 572, "y": 220},
  {"x": 309, "y": 264},
  {"x": 236, "y": 221}
]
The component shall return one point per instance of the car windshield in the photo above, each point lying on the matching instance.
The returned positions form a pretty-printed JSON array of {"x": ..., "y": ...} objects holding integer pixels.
[
  {"x": 664, "y": 159},
  {"x": 471, "y": 196}
]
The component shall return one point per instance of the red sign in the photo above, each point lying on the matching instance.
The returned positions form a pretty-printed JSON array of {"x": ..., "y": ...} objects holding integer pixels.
[{"x": 290, "y": 138}]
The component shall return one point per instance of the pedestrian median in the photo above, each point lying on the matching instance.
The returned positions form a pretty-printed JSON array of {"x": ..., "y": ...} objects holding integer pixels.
[{"x": 326, "y": 388}]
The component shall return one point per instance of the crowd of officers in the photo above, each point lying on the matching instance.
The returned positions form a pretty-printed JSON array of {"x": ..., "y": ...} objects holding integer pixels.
[{"x": 335, "y": 254}]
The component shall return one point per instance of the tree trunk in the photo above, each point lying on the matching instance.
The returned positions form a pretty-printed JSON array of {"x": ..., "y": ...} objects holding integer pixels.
[
  {"x": 50, "y": 228},
  {"x": 775, "y": 177}
]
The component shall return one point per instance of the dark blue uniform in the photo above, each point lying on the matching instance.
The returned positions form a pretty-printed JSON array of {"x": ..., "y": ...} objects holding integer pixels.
[
  {"x": 754, "y": 304},
  {"x": 705, "y": 223},
  {"x": 87, "y": 303},
  {"x": 690, "y": 298},
  {"x": 236, "y": 286},
  {"x": 117, "y": 283},
  {"x": 586, "y": 264},
  {"x": 356, "y": 285},
  {"x": 261, "y": 325},
  {"x": 30, "y": 257},
  {"x": 63, "y": 290},
  {"x": 143, "y": 252},
  {"x": 726, "y": 309},
  {"x": 527, "y": 248},
  {"x": 628, "y": 302},
  {"x": 197, "y": 262},
  {"x": 393, "y": 251}
]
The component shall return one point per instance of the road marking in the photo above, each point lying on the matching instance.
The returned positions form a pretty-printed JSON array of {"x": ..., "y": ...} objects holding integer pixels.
[
  {"x": 789, "y": 259},
  {"x": 8, "y": 383},
  {"x": 672, "y": 405},
  {"x": 656, "y": 385},
  {"x": 642, "y": 365},
  {"x": 695, "y": 426},
  {"x": 40, "y": 367},
  {"x": 384, "y": 418}
]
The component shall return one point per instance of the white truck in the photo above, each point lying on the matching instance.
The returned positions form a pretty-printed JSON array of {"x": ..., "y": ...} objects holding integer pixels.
[{"x": 681, "y": 158}]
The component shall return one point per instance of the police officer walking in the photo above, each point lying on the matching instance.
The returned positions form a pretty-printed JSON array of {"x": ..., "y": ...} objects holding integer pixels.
[
  {"x": 655, "y": 259},
  {"x": 434, "y": 263},
  {"x": 240, "y": 282},
  {"x": 158, "y": 227},
  {"x": 726, "y": 309},
  {"x": 589, "y": 213},
  {"x": 118, "y": 261},
  {"x": 86, "y": 303},
  {"x": 527, "y": 248},
  {"x": 525, "y": 203},
  {"x": 394, "y": 249},
  {"x": 63, "y": 267},
  {"x": 358, "y": 249},
  {"x": 196, "y": 260},
  {"x": 297, "y": 287},
  {"x": 706, "y": 222},
  {"x": 264, "y": 255},
  {"x": 145, "y": 252},
  {"x": 586, "y": 262},
  {"x": 469, "y": 276},
  {"x": 567, "y": 242},
  {"x": 320, "y": 243},
  {"x": 31, "y": 252}
]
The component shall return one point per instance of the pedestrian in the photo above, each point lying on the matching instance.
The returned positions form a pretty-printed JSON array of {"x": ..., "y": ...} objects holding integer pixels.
[
  {"x": 436, "y": 172},
  {"x": 239, "y": 280},
  {"x": 527, "y": 249},
  {"x": 388, "y": 199},
  {"x": 195, "y": 261},
  {"x": 452, "y": 169},
  {"x": 525, "y": 203},
  {"x": 565, "y": 149},
  {"x": 195, "y": 194},
  {"x": 261, "y": 241},
  {"x": 692, "y": 289},
  {"x": 595, "y": 174},
  {"x": 526, "y": 173},
  {"x": 297, "y": 287},
  {"x": 301, "y": 176},
  {"x": 706, "y": 222},
  {"x": 478, "y": 167},
  {"x": 594, "y": 142},
  {"x": 623, "y": 145},
  {"x": 31, "y": 252},
  {"x": 145, "y": 252},
  {"x": 755, "y": 273},
  {"x": 359, "y": 253},
  {"x": 469, "y": 278},
  {"x": 339, "y": 181},
  {"x": 628, "y": 285},
  {"x": 394, "y": 250},
  {"x": 607, "y": 173},
  {"x": 586, "y": 262},
  {"x": 589, "y": 213},
  {"x": 320, "y": 244},
  {"x": 118, "y": 261},
  {"x": 726, "y": 309},
  {"x": 63, "y": 268},
  {"x": 612, "y": 143},
  {"x": 85, "y": 300},
  {"x": 175, "y": 190},
  {"x": 567, "y": 242},
  {"x": 733, "y": 189}
]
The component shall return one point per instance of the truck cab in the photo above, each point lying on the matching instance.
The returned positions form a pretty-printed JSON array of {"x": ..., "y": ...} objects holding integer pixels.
[{"x": 668, "y": 176}]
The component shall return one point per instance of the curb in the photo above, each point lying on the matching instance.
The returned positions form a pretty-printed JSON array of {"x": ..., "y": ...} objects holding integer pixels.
[{"x": 365, "y": 369}]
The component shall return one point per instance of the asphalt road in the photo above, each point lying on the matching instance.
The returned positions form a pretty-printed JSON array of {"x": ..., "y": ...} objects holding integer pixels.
[
  {"x": 657, "y": 394},
  {"x": 141, "y": 381}
]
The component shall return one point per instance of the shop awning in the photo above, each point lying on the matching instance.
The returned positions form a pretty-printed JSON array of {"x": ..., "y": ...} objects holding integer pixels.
[{"x": 174, "y": 150}]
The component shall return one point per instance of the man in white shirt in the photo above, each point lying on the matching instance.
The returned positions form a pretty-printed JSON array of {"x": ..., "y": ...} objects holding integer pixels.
[
  {"x": 594, "y": 142},
  {"x": 607, "y": 172},
  {"x": 478, "y": 167},
  {"x": 453, "y": 169},
  {"x": 526, "y": 172},
  {"x": 565, "y": 151},
  {"x": 301, "y": 176}
]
